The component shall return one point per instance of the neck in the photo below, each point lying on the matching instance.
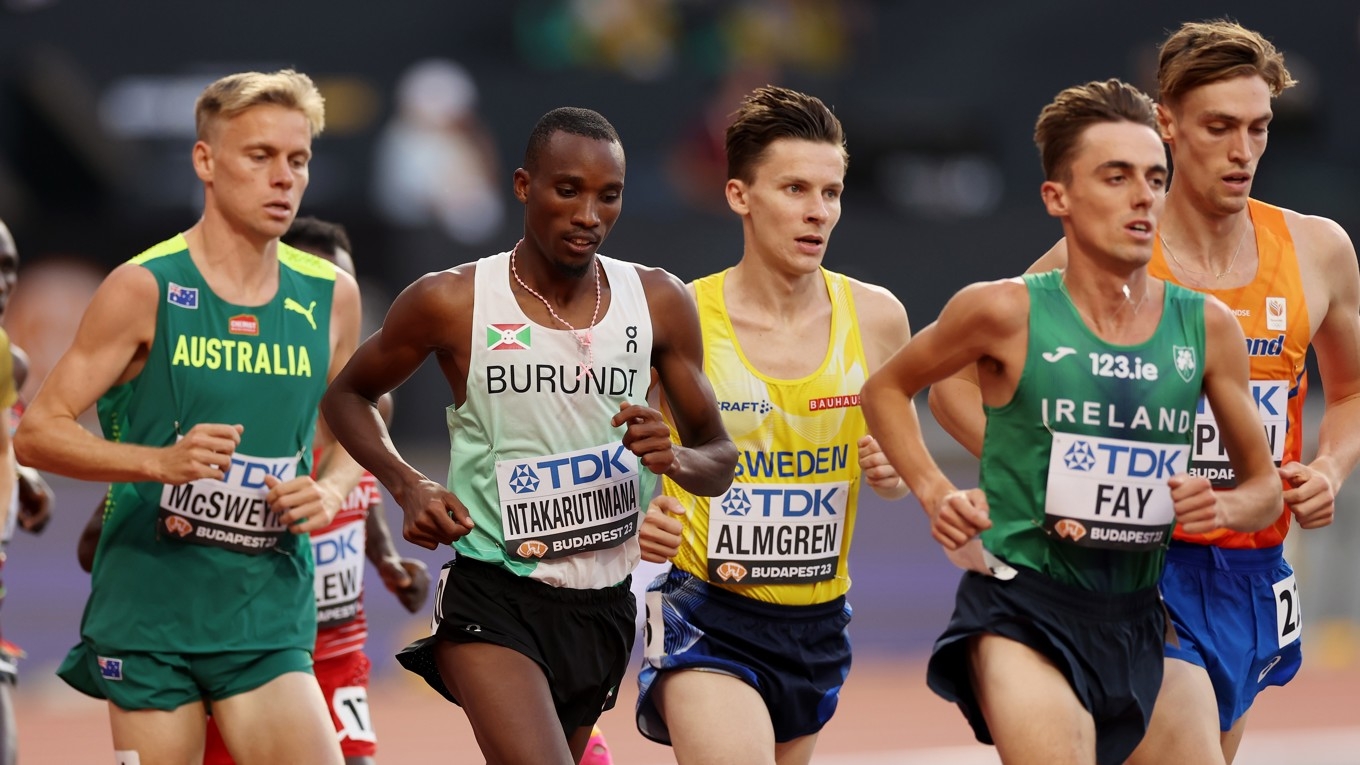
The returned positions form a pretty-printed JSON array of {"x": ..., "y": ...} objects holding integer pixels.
[
  {"x": 1107, "y": 300},
  {"x": 776, "y": 293},
  {"x": 556, "y": 284},
  {"x": 1202, "y": 240},
  {"x": 223, "y": 251}
]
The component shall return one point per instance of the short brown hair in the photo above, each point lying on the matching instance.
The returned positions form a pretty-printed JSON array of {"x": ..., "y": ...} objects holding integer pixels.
[
  {"x": 1204, "y": 52},
  {"x": 1062, "y": 122},
  {"x": 769, "y": 113},
  {"x": 235, "y": 93}
]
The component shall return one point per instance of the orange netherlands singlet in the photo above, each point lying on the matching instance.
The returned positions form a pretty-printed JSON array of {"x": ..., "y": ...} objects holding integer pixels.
[{"x": 1274, "y": 317}]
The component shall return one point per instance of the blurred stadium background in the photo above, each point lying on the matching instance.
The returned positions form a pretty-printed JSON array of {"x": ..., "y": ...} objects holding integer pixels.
[{"x": 429, "y": 105}]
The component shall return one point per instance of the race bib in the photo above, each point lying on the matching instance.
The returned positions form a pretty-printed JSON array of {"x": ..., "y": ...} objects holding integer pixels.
[
  {"x": 776, "y": 533},
  {"x": 1111, "y": 493},
  {"x": 230, "y": 513},
  {"x": 350, "y": 705},
  {"x": 339, "y": 583},
  {"x": 568, "y": 503},
  {"x": 1210, "y": 457},
  {"x": 1288, "y": 614}
]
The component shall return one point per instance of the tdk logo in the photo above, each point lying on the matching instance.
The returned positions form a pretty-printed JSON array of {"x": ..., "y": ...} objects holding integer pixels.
[
  {"x": 759, "y": 407},
  {"x": 1079, "y": 457},
  {"x": 249, "y": 472},
  {"x": 523, "y": 480},
  {"x": 767, "y": 501},
  {"x": 338, "y": 547},
  {"x": 736, "y": 503},
  {"x": 1140, "y": 461},
  {"x": 579, "y": 469}
]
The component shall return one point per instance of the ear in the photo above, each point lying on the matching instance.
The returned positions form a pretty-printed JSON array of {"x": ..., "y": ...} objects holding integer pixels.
[
  {"x": 521, "y": 184},
  {"x": 736, "y": 196},
  {"x": 1054, "y": 195},
  {"x": 203, "y": 161},
  {"x": 1166, "y": 124}
]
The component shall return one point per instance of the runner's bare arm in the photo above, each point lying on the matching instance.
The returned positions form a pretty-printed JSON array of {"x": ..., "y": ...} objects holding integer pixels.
[
  {"x": 1332, "y": 266},
  {"x": 309, "y": 504},
  {"x": 1256, "y": 500},
  {"x": 109, "y": 348},
  {"x": 705, "y": 461},
  {"x": 973, "y": 325},
  {"x": 432, "y": 316},
  {"x": 884, "y": 329}
]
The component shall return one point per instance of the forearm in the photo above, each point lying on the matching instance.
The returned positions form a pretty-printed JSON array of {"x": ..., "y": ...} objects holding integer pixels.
[
  {"x": 358, "y": 428},
  {"x": 60, "y": 445},
  {"x": 338, "y": 471},
  {"x": 705, "y": 470},
  {"x": 1338, "y": 448},
  {"x": 957, "y": 406},
  {"x": 378, "y": 544},
  {"x": 1253, "y": 504},
  {"x": 892, "y": 419}
]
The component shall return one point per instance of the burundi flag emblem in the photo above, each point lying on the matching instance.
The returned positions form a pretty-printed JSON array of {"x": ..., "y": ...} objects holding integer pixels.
[{"x": 507, "y": 337}]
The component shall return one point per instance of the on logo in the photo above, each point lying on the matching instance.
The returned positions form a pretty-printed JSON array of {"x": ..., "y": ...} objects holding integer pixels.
[
  {"x": 177, "y": 525},
  {"x": 523, "y": 479},
  {"x": 1069, "y": 529},
  {"x": 736, "y": 503},
  {"x": 531, "y": 548},
  {"x": 1079, "y": 457},
  {"x": 732, "y": 571},
  {"x": 1185, "y": 361}
]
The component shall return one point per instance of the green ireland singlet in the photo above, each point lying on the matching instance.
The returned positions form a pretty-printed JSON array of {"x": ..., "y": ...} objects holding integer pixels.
[
  {"x": 1075, "y": 466},
  {"x": 207, "y": 567}
]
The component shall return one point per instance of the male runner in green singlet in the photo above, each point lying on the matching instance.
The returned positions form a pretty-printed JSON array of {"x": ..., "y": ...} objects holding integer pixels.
[
  {"x": 1091, "y": 376},
  {"x": 211, "y": 351}
]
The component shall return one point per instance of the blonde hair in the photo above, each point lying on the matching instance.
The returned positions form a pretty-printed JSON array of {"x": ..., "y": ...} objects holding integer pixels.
[
  {"x": 1205, "y": 52},
  {"x": 236, "y": 93}
]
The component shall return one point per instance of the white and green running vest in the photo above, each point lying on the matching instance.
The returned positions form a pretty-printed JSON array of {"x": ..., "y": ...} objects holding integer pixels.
[{"x": 553, "y": 493}]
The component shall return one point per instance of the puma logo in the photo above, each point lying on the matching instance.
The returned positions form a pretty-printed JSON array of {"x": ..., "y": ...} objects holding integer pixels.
[
  {"x": 290, "y": 304},
  {"x": 1061, "y": 352}
]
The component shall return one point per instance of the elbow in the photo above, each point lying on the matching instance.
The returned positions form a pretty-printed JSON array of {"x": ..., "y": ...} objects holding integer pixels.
[{"x": 26, "y": 448}]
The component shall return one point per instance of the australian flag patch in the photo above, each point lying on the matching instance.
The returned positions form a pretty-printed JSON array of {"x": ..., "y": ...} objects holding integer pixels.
[
  {"x": 184, "y": 297},
  {"x": 110, "y": 669}
]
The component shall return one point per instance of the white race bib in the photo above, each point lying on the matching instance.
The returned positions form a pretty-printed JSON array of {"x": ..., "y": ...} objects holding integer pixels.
[
  {"x": 230, "y": 513},
  {"x": 776, "y": 533},
  {"x": 568, "y": 503},
  {"x": 1210, "y": 457},
  {"x": 1111, "y": 493},
  {"x": 339, "y": 583}
]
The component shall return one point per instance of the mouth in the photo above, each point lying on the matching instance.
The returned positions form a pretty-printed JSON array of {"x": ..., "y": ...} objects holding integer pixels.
[
  {"x": 580, "y": 243},
  {"x": 279, "y": 210},
  {"x": 811, "y": 243},
  {"x": 1142, "y": 230},
  {"x": 1238, "y": 180}
]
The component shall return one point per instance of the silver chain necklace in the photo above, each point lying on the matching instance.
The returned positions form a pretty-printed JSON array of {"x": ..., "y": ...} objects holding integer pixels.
[
  {"x": 1231, "y": 261},
  {"x": 584, "y": 337}
]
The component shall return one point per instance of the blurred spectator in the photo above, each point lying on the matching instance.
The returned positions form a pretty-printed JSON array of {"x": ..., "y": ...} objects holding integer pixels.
[
  {"x": 436, "y": 164},
  {"x": 697, "y": 164},
  {"x": 42, "y": 317}
]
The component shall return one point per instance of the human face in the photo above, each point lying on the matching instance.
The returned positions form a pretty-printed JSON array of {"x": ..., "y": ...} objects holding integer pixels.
[
  {"x": 1111, "y": 204},
  {"x": 9, "y": 267},
  {"x": 571, "y": 199},
  {"x": 1217, "y": 134},
  {"x": 792, "y": 203},
  {"x": 254, "y": 166}
]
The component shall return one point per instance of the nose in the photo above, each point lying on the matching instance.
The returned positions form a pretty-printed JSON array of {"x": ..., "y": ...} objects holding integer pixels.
[
  {"x": 1240, "y": 149},
  {"x": 1145, "y": 194},
  {"x": 818, "y": 211},
  {"x": 587, "y": 213},
  {"x": 282, "y": 174}
]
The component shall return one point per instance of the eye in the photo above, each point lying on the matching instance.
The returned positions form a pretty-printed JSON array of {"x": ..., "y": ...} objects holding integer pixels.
[
  {"x": 566, "y": 191},
  {"x": 833, "y": 194},
  {"x": 610, "y": 197},
  {"x": 1157, "y": 183},
  {"x": 795, "y": 188}
]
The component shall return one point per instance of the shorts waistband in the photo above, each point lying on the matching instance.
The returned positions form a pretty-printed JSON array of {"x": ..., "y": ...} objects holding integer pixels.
[
  {"x": 483, "y": 570},
  {"x": 1226, "y": 558},
  {"x": 751, "y": 605},
  {"x": 1115, "y": 606}
]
